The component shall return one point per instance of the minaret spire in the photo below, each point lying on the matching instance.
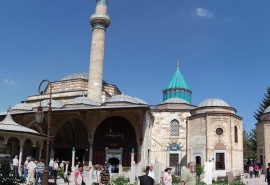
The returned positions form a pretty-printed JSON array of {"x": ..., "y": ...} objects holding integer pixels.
[{"x": 99, "y": 21}]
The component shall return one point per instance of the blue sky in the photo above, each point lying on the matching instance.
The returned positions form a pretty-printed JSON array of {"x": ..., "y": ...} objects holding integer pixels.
[{"x": 223, "y": 48}]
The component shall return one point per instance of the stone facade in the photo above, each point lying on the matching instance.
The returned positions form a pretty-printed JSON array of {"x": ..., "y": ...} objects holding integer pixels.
[
  {"x": 263, "y": 139},
  {"x": 215, "y": 134}
]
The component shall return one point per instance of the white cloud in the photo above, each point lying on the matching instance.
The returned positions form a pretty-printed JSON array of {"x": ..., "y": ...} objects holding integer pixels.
[
  {"x": 202, "y": 12},
  {"x": 8, "y": 81}
]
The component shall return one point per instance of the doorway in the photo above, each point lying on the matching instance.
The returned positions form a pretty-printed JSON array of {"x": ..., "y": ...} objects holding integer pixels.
[{"x": 114, "y": 163}]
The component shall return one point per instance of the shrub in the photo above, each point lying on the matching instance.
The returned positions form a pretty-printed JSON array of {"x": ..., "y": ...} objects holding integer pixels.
[
  {"x": 175, "y": 179},
  {"x": 121, "y": 180},
  {"x": 7, "y": 176},
  {"x": 237, "y": 182}
]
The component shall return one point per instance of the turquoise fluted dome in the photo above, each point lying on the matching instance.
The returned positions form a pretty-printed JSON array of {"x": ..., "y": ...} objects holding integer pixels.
[
  {"x": 177, "y": 88},
  {"x": 177, "y": 81}
]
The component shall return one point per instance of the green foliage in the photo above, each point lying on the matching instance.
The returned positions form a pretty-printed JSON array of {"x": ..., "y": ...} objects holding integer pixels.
[
  {"x": 121, "y": 180},
  {"x": 220, "y": 182},
  {"x": 175, "y": 179},
  {"x": 249, "y": 144},
  {"x": 237, "y": 182},
  {"x": 199, "y": 170},
  {"x": 263, "y": 105},
  {"x": 61, "y": 173},
  {"x": 200, "y": 183},
  {"x": 7, "y": 176}
]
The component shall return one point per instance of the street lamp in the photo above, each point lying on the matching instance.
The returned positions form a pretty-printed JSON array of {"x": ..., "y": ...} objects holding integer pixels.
[{"x": 39, "y": 117}]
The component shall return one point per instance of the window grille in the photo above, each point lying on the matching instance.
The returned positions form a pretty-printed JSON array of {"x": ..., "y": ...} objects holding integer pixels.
[{"x": 174, "y": 128}]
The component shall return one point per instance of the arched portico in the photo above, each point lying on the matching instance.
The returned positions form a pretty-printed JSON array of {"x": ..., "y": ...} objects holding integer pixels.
[
  {"x": 72, "y": 133},
  {"x": 114, "y": 133}
]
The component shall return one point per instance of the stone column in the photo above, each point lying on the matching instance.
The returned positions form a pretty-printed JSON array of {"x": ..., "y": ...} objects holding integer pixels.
[
  {"x": 91, "y": 152},
  {"x": 132, "y": 170},
  {"x": 20, "y": 158},
  {"x": 99, "y": 21},
  {"x": 168, "y": 158},
  {"x": 73, "y": 158},
  {"x": 39, "y": 154},
  {"x": 120, "y": 161}
]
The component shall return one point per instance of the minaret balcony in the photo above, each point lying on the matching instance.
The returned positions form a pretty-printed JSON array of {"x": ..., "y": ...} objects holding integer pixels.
[{"x": 100, "y": 21}]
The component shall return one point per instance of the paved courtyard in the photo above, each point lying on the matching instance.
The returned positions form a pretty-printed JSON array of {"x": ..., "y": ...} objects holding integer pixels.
[{"x": 254, "y": 181}]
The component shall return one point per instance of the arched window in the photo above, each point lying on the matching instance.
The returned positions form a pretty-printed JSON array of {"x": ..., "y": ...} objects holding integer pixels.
[
  {"x": 174, "y": 128},
  {"x": 235, "y": 134}
]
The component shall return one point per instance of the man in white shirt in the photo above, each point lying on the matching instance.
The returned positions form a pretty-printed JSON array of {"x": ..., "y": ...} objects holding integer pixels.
[
  {"x": 25, "y": 169},
  {"x": 31, "y": 171},
  {"x": 55, "y": 168},
  {"x": 151, "y": 172},
  {"x": 50, "y": 167},
  {"x": 15, "y": 165}
]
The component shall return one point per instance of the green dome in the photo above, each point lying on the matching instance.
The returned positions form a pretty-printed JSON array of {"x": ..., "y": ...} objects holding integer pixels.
[
  {"x": 177, "y": 81},
  {"x": 177, "y": 88}
]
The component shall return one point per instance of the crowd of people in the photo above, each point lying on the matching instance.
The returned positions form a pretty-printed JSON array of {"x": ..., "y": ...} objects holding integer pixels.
[
  {"x": 33, "y": 169},
  {"x": 101, "y": 175}
]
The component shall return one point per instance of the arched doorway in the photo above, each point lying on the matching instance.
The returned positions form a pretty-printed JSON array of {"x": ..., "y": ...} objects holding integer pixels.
[
  {"x": 114, "y": 162},
  {"x": 198, "y": 160},
  {"x": 71, "y": 134},
  {"x": 114, "y": 133}
]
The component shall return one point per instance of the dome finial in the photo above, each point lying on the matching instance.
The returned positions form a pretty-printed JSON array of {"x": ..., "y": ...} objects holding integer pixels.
[{"x": 178, "y": 64}]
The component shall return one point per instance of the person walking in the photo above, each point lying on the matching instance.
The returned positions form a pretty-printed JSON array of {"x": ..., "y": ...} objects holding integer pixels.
[
  {"x": 78, "y": 176},
  {"x": 189, "y": 176},
  {"x": 96, "y": 174},
  {"x": 31, "y": 171},
  {"x": 256, "y": 170},
  {"x": 67, "y": 171},
  {"x": 146, "y": 179},
  {"x": 25, "y": 169},
  {"x": 167, "y": 178},
  {"x": 105, "y": 178},
  {"x": 54, "y": 169},
  {"x": 267, "y": 175},
  {"x": 15, "y": 165},
  {"x": 51, "y": 167},
  {"x": 39, "y": 173},
  {"x": 251, "y": 171}
]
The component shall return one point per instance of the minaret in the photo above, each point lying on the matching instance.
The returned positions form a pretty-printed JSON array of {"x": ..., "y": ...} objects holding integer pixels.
[{"x": 99, "y": 21}]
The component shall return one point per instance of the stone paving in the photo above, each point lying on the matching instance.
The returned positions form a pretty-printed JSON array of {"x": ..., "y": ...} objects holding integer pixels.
[{"x": 254, "y": 181}]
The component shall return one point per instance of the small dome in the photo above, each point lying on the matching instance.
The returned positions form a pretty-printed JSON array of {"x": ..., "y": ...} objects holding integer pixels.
[
  {"x": 140, "y": 101},
  {"x": 82, "y": 100},
  {"x": 213, "y": 102},
  {"x": 22, "y": 106},
  {"x": 76, "y": 76},
  {"x": 267, "y": 110},
  {"x": 175, "y": 100},
  {"x": 125, "y": 98},
  {"x": 55, "y": 104}
]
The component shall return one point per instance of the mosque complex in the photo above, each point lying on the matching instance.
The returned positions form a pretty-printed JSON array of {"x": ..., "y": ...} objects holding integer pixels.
[{"x": 101, "y": 124}]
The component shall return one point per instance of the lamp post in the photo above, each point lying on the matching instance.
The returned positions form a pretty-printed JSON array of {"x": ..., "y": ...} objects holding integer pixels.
[{"x": 39, "y": 118}]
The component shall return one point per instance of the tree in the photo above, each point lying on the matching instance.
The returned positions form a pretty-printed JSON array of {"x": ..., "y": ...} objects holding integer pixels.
[
  {"x": 249, "y": 144},
  {"x": 263, "y": 105}
]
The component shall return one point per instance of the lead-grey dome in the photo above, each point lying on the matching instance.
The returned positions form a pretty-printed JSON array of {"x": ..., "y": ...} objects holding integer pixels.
[
  {"x": 125, "y": 98},
  {"x": 213, "y": 102},
  {"x": 83, "y": 100},
  {"x": 175, "y": 100},
  {"x": 267, "y": 110},
  {"x": 76, "y": 76},
  {"x": 55, "y": 104},
  {"x": 22, "y": 106}
]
